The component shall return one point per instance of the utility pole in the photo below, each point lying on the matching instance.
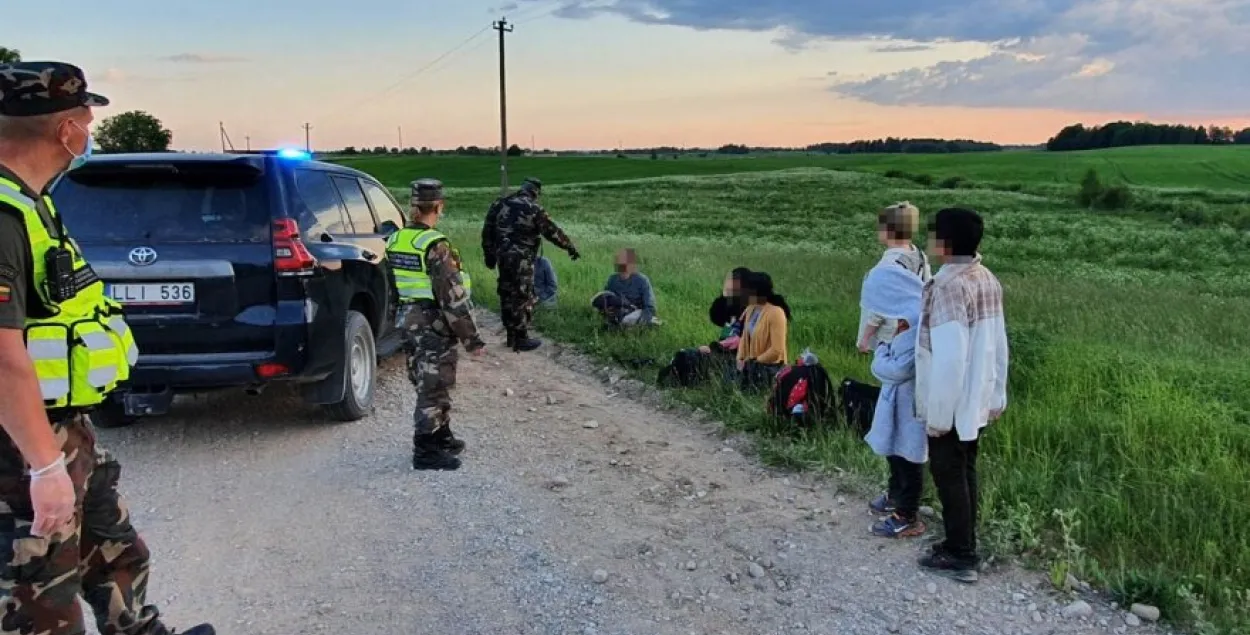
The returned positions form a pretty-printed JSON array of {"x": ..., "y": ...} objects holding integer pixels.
[
  {"x": 308, "y": 138},
  {"x": 503, "y": 27},
  {"x": 221, "y": 132},
  {"x": 401, "y": 138},
  {"x": 247, "y": 140}
]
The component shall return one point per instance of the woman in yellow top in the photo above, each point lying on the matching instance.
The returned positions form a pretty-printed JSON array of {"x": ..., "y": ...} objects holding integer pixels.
[{"x": 762, "y": 351}]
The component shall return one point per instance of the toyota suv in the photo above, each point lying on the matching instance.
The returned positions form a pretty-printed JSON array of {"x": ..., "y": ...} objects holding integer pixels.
[{"x": 238, "y": 270}]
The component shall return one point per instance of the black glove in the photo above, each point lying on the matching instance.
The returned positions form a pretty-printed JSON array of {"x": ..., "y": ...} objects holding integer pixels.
[
  {"x": 490, "y": 262},
  {"x": 574, "y": 254}
]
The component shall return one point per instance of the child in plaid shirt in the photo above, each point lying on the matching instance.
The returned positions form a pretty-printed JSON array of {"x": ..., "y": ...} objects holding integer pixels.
[{"x": 961, "y": 380}]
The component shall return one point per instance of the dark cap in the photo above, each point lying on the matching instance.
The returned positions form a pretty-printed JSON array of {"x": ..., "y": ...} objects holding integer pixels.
[
  {"x": 427, "y": 191},
  {"x": 532, "y": 184},
  {"x": 29, "y": 89}
]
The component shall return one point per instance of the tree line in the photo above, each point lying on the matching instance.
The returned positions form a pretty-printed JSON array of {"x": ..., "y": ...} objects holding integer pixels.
[{"x": 1124, "y": 133}]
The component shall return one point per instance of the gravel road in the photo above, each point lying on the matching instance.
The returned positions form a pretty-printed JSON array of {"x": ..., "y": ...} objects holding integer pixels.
[{"x": 579, "y": 510}]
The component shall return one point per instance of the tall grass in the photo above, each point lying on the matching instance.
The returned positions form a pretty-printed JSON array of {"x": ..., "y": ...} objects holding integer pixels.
[{"x": 1123, "y": 455}]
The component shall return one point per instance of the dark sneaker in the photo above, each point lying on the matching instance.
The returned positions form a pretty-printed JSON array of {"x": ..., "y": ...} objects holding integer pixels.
[
  {"x": 202, "y": 629},
  {"x": 944, "y": 564},
  {"x": 882, "y": 505},
  {"x": 895, "y": 526}
]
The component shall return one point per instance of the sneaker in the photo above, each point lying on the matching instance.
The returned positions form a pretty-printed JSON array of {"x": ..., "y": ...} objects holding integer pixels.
[
  {"x": 882, "y": 505},
  {"x": 944, "y": 564},
  {"x": 895, "y": 526}
]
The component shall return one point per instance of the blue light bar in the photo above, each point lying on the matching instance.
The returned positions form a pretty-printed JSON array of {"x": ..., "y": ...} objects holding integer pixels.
[{"x": 292, "y": 153}]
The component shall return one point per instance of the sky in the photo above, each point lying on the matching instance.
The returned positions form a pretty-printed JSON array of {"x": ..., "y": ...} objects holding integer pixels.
[{"x": 642, "y": 73}]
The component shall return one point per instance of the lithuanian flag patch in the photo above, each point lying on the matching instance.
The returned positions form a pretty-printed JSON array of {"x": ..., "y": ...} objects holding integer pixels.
[{"x": 6, "y": 293}]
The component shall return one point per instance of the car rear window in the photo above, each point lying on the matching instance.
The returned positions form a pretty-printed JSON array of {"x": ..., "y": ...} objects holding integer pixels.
[{"x": 164, "y": 203}]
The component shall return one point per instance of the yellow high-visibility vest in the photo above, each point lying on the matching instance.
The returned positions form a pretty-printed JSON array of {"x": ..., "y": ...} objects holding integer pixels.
[
  {"x": 84, "y": 349},
  {"x": 406, "y": 249}
]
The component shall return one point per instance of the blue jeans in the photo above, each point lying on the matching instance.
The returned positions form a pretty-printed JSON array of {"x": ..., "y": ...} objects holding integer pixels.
[{"x": 545, "y": 283}]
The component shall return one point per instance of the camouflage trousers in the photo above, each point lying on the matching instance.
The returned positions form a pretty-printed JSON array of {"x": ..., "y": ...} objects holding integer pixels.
[
  {"x": 432, "y": 358},
  {"x": 516, "y": 291},
  {"x": 99, "y": 556}
]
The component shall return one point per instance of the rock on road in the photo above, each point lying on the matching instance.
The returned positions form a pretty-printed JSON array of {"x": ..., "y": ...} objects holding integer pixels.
[{"x": 264, "y": 519}]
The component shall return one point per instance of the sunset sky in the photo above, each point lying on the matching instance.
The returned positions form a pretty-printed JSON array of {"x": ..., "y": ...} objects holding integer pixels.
[{"x": 598, "y": 73}]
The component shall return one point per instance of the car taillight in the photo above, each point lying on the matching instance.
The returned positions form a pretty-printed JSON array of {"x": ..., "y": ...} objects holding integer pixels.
[
  {"x": 270, "y": 370},
  {"x": 290, "y": 256}
]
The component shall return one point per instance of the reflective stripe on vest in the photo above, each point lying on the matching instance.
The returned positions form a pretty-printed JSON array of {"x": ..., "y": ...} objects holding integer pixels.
[
  {"x": 83, "y": 351},
  {"x": 406, "y": 252}
]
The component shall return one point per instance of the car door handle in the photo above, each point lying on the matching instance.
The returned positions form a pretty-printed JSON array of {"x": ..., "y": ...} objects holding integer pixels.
[{"x": 368, "y": 255}]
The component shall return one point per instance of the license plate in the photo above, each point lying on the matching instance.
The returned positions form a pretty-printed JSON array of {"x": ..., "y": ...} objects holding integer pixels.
[{"x": 168, "y": 293}]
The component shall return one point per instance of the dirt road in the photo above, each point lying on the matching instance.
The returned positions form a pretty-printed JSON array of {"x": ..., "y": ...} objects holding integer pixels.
[{"x": 264, "y": 520}]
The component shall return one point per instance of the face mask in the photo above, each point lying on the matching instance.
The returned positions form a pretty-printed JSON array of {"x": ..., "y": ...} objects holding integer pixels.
[{"x": 79, "y": 160}]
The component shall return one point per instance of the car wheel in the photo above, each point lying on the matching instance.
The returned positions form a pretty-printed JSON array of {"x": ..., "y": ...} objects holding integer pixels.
[
  {"x": 360, "y": 368},
  {"x": 112, "y": 414}
]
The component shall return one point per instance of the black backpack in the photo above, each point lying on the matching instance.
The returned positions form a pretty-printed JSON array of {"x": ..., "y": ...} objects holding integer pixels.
[
  {"x": 859, "y": 403},
  {"x": 802, "y": 394},
  {"x": 688, "y": 368}
]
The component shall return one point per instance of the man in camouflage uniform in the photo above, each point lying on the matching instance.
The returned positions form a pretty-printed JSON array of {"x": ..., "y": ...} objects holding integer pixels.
[
  {"x": 515, "y": 226},
  {"x": 434, "y": 314},
  {"x": 65, "y": 531}
]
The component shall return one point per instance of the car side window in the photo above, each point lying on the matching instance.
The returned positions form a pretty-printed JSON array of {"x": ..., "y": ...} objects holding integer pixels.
[
  {"x": 384, "y": 205},
  {"x": 357, "y": 205},
  {"x": 323, "y": 203}
]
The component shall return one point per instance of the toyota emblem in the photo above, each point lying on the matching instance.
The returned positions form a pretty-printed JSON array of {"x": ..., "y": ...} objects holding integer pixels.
[{"x": 142, "y": 256}]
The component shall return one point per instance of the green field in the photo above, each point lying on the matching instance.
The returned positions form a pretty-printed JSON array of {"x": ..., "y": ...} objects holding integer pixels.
[
  {"x": 1226, "y": 167},
  {"x": 1123, "y": 455}
]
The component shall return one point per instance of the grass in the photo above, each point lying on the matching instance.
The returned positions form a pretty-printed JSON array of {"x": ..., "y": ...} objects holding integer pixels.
[
  {"x": 1204, "y": 167},
  {"x": 1123, "y": 456}
]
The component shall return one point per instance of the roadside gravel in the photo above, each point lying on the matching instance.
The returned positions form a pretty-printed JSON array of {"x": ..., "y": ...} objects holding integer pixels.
[{"x": 581, "y": 509}]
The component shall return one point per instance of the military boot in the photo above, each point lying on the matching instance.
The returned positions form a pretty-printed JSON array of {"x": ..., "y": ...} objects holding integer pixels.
[
  {"x": 448, "y": 441},
  {"x": 511, "y": 338},
  {"x": 523, "y": 343},
  {"x": 429, "y": 454}
]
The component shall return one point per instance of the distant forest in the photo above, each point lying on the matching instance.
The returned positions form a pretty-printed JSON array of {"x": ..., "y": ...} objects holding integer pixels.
[
  {"x": 892, "y": 145},
  {"x": 1124, "y": 133}
]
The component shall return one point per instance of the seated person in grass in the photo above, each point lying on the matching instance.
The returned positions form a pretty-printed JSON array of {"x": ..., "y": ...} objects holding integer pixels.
[
  {"x": 896, "y": 225},
  {"x": 726, "y": 314},
  {"x": 627, "y": 298},
  {"x": 762, "y": 351},
  {"x": 546, "y": 285}
]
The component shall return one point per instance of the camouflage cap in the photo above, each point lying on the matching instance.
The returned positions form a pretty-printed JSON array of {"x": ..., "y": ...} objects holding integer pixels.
[
  {"x": 29, "y": 89},
  {"x": 531, "y": 184},
  {"x": 427, "y": 191}
]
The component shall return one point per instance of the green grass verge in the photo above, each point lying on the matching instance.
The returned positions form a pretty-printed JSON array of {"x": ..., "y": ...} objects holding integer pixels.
[
  {"x": 1123, "y": 455},
  {"x": 1211, "y": 167}
]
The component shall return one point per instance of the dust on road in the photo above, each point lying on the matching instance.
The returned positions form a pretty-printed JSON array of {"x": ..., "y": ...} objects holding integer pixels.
[{"x": 263, "y": 519}]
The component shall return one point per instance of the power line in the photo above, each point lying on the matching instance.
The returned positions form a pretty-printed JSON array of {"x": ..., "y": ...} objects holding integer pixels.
[{"x": 404, "y": 79}]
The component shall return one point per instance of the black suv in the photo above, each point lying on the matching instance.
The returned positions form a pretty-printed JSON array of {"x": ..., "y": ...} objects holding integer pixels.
[{"x": 236, "y": 270}]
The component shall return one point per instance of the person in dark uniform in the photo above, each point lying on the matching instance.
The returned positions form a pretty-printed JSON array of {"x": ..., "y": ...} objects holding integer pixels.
[
  {"x": 64, "y": 346},
  {"x": 435, "y": 313},
  {"x": 515, "y": 226}
]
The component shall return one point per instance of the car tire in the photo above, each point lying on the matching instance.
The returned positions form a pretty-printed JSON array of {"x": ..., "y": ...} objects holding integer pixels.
[
  {"x": 359, "y": 369},
  {"x": 112, "y": 414}
]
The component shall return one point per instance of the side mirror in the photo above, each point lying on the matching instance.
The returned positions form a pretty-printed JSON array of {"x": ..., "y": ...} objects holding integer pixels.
[{"x": 387, "y": 228}]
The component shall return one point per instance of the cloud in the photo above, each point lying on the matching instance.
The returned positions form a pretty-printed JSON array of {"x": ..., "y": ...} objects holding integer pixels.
[
  {"x": 902, "y": 48},
  {"x": 1168, "y": 56},
  {"x": 202, "y": 58},
  {"x": 114, "y": 76},
  {"x": 503, "y": 8}
]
